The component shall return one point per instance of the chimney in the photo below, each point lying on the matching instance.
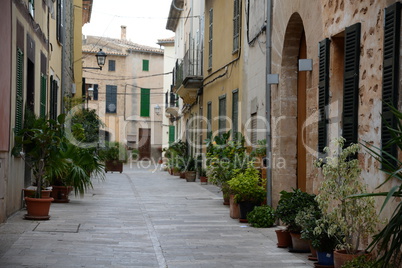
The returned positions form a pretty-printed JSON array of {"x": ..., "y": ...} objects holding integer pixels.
[{"x": 123, "y": 32}]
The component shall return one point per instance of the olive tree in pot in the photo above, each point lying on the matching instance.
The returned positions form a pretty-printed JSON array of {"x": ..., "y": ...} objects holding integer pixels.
[
  {"x": 39, "y": 144},
  {"x": 290, "y": 203},
  {"x": 356, "y": 217},
  {"x": 248, "y": 190}
]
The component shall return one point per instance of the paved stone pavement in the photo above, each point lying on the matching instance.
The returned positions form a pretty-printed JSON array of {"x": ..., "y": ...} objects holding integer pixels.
[{"x": 142, "y": 218}]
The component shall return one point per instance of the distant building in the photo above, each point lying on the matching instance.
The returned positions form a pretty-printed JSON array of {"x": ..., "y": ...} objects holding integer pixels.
[{"x": 127, "y": 92}]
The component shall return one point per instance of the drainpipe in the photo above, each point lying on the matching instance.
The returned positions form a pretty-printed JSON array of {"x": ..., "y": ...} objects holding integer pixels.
[{"x": 268, "y": 102}]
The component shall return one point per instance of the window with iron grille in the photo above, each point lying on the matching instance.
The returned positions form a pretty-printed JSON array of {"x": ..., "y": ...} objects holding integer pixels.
[
  {"x": 390, "y": 79},
  {"x": 222, "y": 114},
  {"x": 236, "y": 24},
  {"x": 211, "y": 17},
  {"x": 112, "y": 65},
  {"x": 111, "y": 99},
  {"x": 209, "y": 120}
]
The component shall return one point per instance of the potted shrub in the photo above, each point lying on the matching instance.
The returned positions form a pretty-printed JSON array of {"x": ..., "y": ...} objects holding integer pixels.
[
  {"x": 247, "y": 190},
  {"x": 114, "y": 154},
  {"x": 290, "y": 203},
  {"x": 190, "y": 172},
  {"x": 38, "y": 144},
  {"x": 356, "y": 217},
  {"x": 224, "y": 158},
  {"x": 261, "y": 217}
]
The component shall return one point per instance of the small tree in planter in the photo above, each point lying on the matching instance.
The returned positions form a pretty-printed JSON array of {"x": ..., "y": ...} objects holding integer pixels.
[{"x": 356, "y": 217}]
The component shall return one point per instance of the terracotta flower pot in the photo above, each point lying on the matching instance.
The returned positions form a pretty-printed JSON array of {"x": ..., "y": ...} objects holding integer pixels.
[
  {"x": 341, "y": 257},
  {"x": 204, "y": 180},
  {"x": 31, "y": 193},
  {"x": 60, "y": 194},
  {"x": 37, "y": 208},
  {"x": 299, "y": 245},
  {"x": 284, "y": 238},
  {"x": 190, "y": 176},
  {"x": 234, "y": 208}
]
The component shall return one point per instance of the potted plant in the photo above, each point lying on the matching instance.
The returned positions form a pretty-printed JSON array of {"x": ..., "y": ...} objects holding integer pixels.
[
  {"x": 190, "y": 171},
  {"x": 261, "y": 217},
  {"x": 290, "y": 203},
  {"x": 38, "y": 144},
  {"x": 224, "y": 158},
  {"x": 356, "y": 217},
  {"x": 248, "y": 190},
  {"x": 114, "y": 154}
]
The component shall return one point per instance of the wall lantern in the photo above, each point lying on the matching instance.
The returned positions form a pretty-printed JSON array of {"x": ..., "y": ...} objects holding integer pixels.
[
  {"x": 157, "y": 109},
  {"x": 100, "y": 58},
  {"x": 305, "y": 65}
]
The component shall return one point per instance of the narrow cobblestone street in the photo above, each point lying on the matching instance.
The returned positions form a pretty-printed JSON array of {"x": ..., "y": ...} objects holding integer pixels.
[{"x": 142, "y": 218}]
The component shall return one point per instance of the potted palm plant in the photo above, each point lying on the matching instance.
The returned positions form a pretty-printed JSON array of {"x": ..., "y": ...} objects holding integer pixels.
[
  {"x": 356, "y": 217},
  {"x": 38, "y": 144},
  {"x": 190, "y": 170},
  {"x": 248, "y": 190}
]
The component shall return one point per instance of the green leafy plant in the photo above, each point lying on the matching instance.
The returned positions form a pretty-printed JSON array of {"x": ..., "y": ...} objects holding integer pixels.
[
  {"x": 388, "y": 241},
  {"x": 90, "y": 122},
  {"x": 356, "y": 218},
  {"x": 135, "y": 153},
  {"x": 113, "y": 151},
  {"x": 260, "y": 150},
  {"x": 261, "y": 217},
  {"x": 290, "y": 203},
  {"x": 247, "y": 186},
  {"x": 362, "y": 261}
]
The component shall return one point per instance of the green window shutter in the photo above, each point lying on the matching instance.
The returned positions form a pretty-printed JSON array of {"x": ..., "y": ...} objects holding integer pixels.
[
  {"x": 145, "y": 65},
  {"x": 54, "y": 88},
  {"x": 211, "y": 20},
  {"x": 19, "y": 104},
  {"x": 323, "y": 94},
  {"x": 236, "y": 24},
  {"x": 390, "y": 78},
  {"x": 209, "y": 120},
  {"x": 145, "y": 102},
  {"x": 351, "y": 84},
  {"x": 222, "y": 114},
  {"x": 111, "y": 99},
  {"x": 43, "y": 88},
  {"x": 235, "y": 112},
  {"x": 171, "y": 134}
]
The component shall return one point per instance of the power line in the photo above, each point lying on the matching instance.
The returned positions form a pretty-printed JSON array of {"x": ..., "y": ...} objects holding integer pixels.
[{"x": 125, "y": 78}]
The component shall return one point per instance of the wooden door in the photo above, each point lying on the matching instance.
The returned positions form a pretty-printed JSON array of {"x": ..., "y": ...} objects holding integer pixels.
[
  {"x": 301, "y": 118},
  {"x": 145, "y": 143}
]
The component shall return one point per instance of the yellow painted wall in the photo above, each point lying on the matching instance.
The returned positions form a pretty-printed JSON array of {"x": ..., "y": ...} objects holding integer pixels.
[{"x": 77, "y": 65}]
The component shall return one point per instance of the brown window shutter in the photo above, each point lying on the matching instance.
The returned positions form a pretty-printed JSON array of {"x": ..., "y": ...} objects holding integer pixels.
[{"x": 323, "y": 94}]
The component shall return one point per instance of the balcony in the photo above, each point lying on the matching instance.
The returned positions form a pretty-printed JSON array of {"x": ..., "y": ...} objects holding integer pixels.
[
  {"x": 188, "y": 76},
  {"x": 171, "y": 104}
]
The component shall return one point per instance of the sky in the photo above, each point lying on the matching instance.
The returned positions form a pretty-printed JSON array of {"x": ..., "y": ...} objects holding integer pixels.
[{"x": 145, "y": 20}]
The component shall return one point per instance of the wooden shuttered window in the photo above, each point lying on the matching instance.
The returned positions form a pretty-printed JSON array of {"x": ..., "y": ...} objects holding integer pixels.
[
  {"x": 19, "y": 102},
  {"x": 209, "y": 120},
  {"x": 351, "y": 84},
  {"x": 323, "y": 94},
  {"x": 96, "y": 92},
  {"x": 112, "y": 65},
  {"x": 145, "y": 65},
  {"x": 171, "y": 134},
  {"x": 390, "y": 82},
  {"x": 145, "y": 102},
  {"x": 54, "y": 88},
  {"x": 211, "y": 20},
  {"x": 43, "y": 90},
  {"x": 111, "y": 99},
  {"x": 236, "y": 24},
  {"x": 222, "y": 114},
  {"x": 235, "y": 112}
]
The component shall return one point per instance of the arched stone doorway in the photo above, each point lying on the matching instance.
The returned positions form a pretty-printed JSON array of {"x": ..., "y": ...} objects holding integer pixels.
[{"x": 290, "y": 111}]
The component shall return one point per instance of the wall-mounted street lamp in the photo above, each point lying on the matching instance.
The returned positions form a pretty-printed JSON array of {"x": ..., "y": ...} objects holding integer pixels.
[
  {"x": 100, "y": 58},
  {"x": 157, "y": 109}
]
